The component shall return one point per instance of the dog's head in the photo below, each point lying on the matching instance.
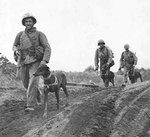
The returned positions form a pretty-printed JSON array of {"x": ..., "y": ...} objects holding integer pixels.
[
  {"x": 133, "y": 76},
  {"x": 43, "y": 70}
]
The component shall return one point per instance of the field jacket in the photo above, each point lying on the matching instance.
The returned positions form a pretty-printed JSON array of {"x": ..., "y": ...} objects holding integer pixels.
[
  {"x": 128, "y": 59},
  {"x": 24, "y": 44},
  {"x": 103, "y": 55}
]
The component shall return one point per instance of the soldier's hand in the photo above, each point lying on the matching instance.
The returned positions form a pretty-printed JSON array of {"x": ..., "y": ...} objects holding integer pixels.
[
  {"x": 16, "y": 52},
  {"x": 43, "y": 63}
]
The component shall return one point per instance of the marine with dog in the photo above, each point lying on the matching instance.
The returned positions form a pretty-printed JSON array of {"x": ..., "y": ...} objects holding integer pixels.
[
  {"x": 128, "y": 61},
  {"x": 52, "y": 83},
  {"x": 32, "y": 52},
  {"x": 104, "y": 56}
]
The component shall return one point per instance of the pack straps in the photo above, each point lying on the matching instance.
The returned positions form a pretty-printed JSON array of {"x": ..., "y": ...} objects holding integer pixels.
[{"x": 32, "y": 43}]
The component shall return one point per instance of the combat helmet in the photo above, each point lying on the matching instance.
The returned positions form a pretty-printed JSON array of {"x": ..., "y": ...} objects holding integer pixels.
[
  {"x": 28, "y": 15},
  {"x": 101, "y": 42},
  {"x": 126, "y": 46}
]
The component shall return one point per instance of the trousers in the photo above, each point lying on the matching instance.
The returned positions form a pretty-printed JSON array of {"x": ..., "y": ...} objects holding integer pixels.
[{"x": 31, "y": 82}]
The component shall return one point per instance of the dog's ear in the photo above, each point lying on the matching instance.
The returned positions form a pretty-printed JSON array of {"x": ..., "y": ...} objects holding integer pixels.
[
  {"x": 47, "y": 68},
  {"x": 43, "y": 67}
]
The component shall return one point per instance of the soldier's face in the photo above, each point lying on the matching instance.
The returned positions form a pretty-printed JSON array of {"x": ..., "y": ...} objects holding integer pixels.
[
  {"x": 29, "y": 23},
  {"x": 102, "y": 46},
  {"x": 126, "y": 49}
]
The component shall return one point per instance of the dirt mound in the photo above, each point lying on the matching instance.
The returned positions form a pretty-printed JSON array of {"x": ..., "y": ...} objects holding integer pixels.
[
  {"x": 90, "y": 114},
  {"x": 111, "y": 112},
  {"x": 133, "y": 112}
]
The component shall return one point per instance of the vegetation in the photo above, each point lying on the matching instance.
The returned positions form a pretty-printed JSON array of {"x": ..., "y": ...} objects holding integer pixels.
[
  {"x": 6, "y": 67},
  {"x": 87, "y": 76},
  {"x": 83, "y": 77}
]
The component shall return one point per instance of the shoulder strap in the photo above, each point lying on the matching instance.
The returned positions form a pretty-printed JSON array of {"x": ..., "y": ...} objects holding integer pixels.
[
  {"x": 29, "y": 38},
  {"x": 21, "y": 32}
]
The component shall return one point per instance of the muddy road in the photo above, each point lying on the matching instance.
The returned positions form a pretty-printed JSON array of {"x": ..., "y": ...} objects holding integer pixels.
[{"x": 99, "y": 112}]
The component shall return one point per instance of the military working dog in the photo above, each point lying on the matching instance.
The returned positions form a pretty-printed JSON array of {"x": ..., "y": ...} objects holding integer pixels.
[
  {"x": 107, "y": 77},
  {"x": 52, "y": 83},
  {"x": 134, "y": 75}
]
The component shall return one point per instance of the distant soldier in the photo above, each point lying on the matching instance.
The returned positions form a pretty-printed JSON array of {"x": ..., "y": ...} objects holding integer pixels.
[
  {"x": 103, "y": 55},
  {"x": 128, "y": 61},
  {"x": 31, "y": 50}
]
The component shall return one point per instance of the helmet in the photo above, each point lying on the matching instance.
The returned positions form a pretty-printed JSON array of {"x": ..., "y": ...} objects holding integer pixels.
[
  {"x": 101, "y": 42},
  {"x": 126, "y": 46},
  {"x": 28, "y": 15}
]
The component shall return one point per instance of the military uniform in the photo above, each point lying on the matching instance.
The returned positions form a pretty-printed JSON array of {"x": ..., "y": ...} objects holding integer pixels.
[
  {"x": 127, "y": 61},
  {"x": 104, "y": 56},
  {"x": 34, "y": 48}
]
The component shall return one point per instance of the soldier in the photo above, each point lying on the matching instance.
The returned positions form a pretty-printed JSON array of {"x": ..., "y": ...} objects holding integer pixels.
[
  {"x": 105, "y": 56},
  {"x": 32, "y": 49},
  {"x": 128, "y": 61}
]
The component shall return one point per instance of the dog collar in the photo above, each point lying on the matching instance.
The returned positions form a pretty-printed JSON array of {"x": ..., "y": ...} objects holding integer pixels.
[
  {"x": 52, "y": 84},
  {"x": 49, "y": 76}
]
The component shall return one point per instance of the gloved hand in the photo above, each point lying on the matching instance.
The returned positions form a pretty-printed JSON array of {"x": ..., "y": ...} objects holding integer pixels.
[{"x": 43, "y": 62}]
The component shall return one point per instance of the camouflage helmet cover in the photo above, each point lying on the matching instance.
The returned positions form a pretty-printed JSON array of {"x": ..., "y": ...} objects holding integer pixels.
[
  {"x": 28, "y": 15},
  {"x": 101, "y": 42},
  {"x": 126, "y": 46}
]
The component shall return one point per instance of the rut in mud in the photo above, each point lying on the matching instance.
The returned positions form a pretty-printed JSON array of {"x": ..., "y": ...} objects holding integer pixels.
[{"x": 111, "y": 112}]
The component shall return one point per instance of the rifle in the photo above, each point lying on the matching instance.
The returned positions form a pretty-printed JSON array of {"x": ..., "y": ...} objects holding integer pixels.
[{"x": 18, "y": 54}]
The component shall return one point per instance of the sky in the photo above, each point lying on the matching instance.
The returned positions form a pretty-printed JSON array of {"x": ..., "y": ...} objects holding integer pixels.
[{"x": 73, "y": 28}]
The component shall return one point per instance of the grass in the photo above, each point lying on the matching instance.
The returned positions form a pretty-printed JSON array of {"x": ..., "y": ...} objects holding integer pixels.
[{"x": 83, "y": 77}]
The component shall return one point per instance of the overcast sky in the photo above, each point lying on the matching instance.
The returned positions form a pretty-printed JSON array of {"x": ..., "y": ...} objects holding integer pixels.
[{"x": 73, "y": 28}]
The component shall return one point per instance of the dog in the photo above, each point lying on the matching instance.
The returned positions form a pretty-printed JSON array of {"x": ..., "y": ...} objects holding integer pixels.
[
  {"x": 134, "y": 75},
  {"x": 107, "y": 77},
  {"x": 52, "y": 83}
]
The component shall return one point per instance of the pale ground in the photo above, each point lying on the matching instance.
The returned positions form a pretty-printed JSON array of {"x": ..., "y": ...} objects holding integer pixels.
[{"x": 99, "y": 112}]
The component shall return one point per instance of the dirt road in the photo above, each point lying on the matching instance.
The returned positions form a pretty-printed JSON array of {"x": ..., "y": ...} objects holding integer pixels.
[{"x": 112, "y": 112}]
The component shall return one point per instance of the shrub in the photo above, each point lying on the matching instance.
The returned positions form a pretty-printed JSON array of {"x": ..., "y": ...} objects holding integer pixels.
[{"x": 83, "y": 77}]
